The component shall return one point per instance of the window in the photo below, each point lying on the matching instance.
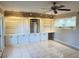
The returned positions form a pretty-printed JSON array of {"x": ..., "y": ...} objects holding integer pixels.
[
  {"x": 59, "y": 23},
  {"x": 65, "y": 22},
  {"x": 71, "y": 22}
]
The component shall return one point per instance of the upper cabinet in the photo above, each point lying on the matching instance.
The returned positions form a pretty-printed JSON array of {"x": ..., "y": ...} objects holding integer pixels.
[
  {"x": 46, "y": 25},
  {"x": 26, "y": 25},
  {"x": 16, "y": 25}
]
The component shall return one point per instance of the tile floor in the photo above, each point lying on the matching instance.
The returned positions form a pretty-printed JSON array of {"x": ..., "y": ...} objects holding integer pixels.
[{"x": 44, "y": 49}]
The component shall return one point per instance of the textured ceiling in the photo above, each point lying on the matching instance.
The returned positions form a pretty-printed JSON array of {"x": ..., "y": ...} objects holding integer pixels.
[{"x": 35, "y": 6}]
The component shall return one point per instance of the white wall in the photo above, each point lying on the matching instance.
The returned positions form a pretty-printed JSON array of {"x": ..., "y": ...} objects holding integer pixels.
[{"x": 68, "y": 36}]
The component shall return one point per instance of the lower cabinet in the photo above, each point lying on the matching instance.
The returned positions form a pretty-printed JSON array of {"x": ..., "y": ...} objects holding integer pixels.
[
  {"x": 38, "y": 38},
  {"x": 44, "y": 36},
  {"x": 11, "y": 40},
  {"x": 23, "y": 39},
  {"x": 34, "y": 37}
]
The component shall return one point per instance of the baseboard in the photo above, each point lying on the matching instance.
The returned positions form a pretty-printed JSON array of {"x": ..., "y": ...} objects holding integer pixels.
[{"x": 69, "y": 45}]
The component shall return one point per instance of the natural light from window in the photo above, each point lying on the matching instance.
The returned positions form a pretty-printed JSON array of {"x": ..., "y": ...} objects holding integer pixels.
[{"x": 65, "y": 22}]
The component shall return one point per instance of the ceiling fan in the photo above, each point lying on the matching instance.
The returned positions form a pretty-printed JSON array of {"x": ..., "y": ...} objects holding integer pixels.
[{"x": 55, "y": 8}]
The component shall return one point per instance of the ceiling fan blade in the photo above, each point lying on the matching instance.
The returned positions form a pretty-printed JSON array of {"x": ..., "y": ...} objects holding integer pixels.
[
  {"x": 60, "y": 6},
  {"x": 64, "y": 9}
]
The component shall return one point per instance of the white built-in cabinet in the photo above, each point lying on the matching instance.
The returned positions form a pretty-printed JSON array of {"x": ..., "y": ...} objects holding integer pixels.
[
  {"x": 23, "y": 39},
  {"x": 34, "y": 37},
  {"x": 17, "y": 30},
  {"x": 44, "y": 36},
  {"x": 46, "y": 25},
  {"x": 11, "y": 39}
]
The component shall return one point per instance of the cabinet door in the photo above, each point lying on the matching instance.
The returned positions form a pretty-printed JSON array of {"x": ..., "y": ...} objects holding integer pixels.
[
  {"x": 26, "y": 38},
  {"x": 7, "y": 39},
  {"x": 35, "y": 37},
  {"x": 32, "y": 38},
  {"x": 44, "y": 36},
  {"x": 26, "y": 26},
  {"x": 11, "y": 40},
  {"x": 23, "y": 39},
  {"x": 46, "y": 25}
]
